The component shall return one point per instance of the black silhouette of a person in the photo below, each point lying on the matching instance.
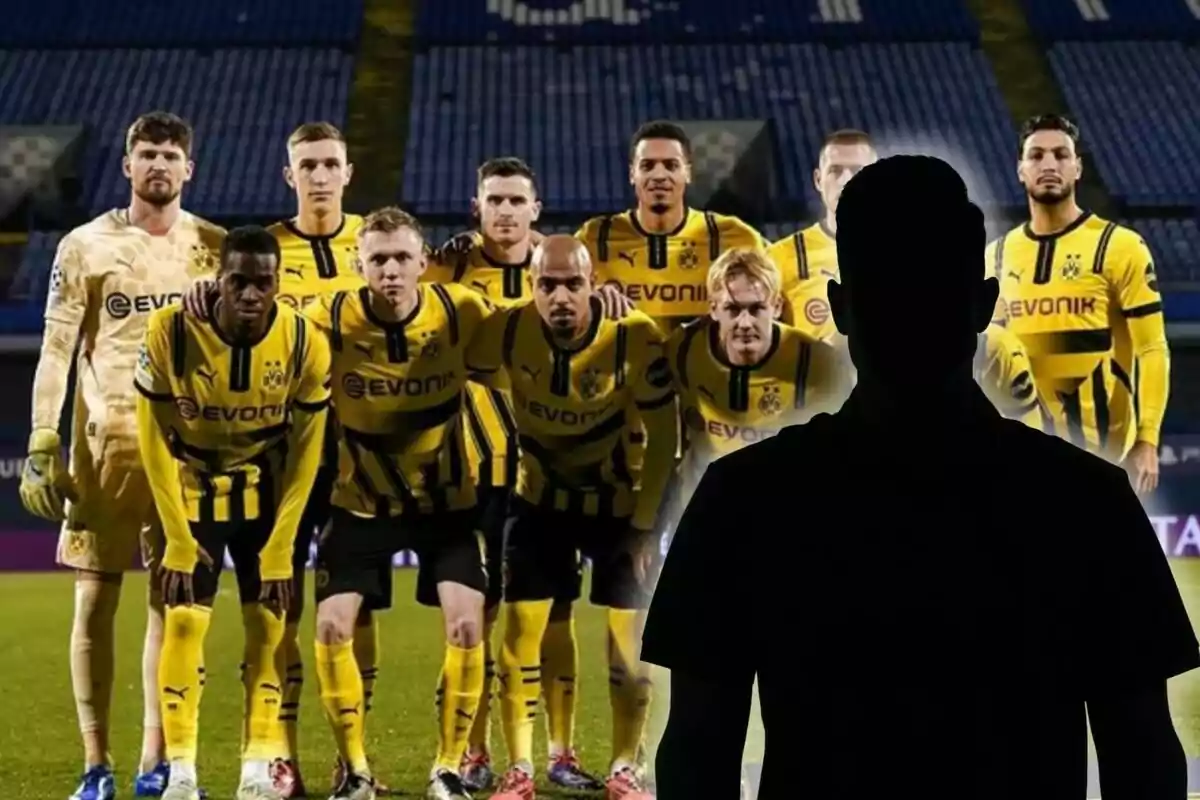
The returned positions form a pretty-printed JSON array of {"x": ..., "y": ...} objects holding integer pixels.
[{"x": 934, "y": 599}]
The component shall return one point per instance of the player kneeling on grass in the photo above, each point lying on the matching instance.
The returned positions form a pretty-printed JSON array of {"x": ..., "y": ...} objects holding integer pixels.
[
  {"x": 576, "y": 377},
  {"x": 231, "y": 416},
  {"x": 399, "y": 373}
]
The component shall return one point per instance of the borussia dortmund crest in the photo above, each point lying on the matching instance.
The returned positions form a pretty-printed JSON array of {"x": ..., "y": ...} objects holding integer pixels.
[
  {"x": 687, "y": 256},
  {"x": 589, "y": 383},
  {"x": 770, "y": 402},
  {"x": 430, "y": 347},
  {"x": 1151, "y": 277},
  {"x": 202, "y": 259},
  {"x": 273, "y": 376},
  {"x": 1072, "y": 268}
]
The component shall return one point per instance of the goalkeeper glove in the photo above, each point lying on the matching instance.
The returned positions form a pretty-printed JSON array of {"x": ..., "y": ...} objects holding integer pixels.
[{"x": 44, "y": 481}]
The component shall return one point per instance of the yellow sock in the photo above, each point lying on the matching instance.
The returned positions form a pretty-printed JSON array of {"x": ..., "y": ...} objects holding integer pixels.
[
  {"x": 629, "y": 686},
  {"x": 560, "y": 661},
  {"x": 366, "y": 655},
  {"x": 179, "y": 678},
  {"x": 520, "y": 674},
  {"x": 263, "y": 735},
  {"x": 458, "y": 699},
  {"x": 342, "y": 698},
  {"x": 290, "y": 665},
  {"x": 481, "y": 728}
]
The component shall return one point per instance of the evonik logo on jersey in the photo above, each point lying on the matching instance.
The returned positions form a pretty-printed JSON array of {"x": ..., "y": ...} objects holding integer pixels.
[
  {"x": 189, "y": 409},
  {"x": 562, "y": 416},
  {"x": 1051, "y": 306},
  {"x": 357, "y": 387},
  {"x": 662, "y": 292},
  {"x": 120, "y": 305},
  {"x": 726, "y": 431}
]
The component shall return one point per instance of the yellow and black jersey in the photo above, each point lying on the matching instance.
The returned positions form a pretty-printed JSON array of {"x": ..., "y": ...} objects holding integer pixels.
[
  {"x": 1085, "y": 304},
  {"x": 397, "y": 395},
  {"x": 807, "y": 261},
  {"x": 726, "y": 407},
  {"x": 312, "y": 266},
  {"x": 490, "y": 423},
  {"x": 230, "y": 405},
  {"x": 572, "y": 406},
  {"x": 1003, "y": 372},
  {"x": 665, "y": 275}
]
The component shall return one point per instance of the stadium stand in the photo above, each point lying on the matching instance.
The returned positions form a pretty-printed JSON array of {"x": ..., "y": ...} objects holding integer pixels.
[{"x": 1066, "y": 20}]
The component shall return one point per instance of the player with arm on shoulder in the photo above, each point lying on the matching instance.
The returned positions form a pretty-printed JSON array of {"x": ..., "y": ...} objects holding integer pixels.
[
  {"x": 807, "y": 259},
  {"x": 1082, "y": 295},
  {"x": 497, "y": 266},
  {"x": 575, "y": 378},
  {"x": 108, "y": 276},
  {"x": 231, "y": 417},
  {"x": 657, "y": 254},
  {"x": 399, "y": 372},
  {"x": 1002, "y": 370}
]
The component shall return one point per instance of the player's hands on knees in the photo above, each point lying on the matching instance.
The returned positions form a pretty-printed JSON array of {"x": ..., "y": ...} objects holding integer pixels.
[
  {"x": 198, "y": 300},
  {"x": 45, "y": 483},
  {"x": 639, "y": 545},
  {"x": 177, "y": 587},
  {"x": 276, "y": 595},
  {"x": 1142, "y": 466},
  {"x": 615, "y": 304}
]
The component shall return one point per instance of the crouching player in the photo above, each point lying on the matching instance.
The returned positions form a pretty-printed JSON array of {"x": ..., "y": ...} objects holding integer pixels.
[
  {"x": 231, "y": 416},
  {"x": 575, "y": 378},
  {"x": 403, "y": 483}
]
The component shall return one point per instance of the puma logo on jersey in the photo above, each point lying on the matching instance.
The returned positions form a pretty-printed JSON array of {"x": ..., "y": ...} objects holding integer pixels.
[
  {"x": 532, "y": 373},
  {"x": 363, "y": 348},
  {"x": 1016, "y": 276},
  {"x": 209, "y": 377},
  {"x": 706, "y": 393},
  {"x": 180, "y": 693},
  {"x": 480, "y": 285},
  {"x": 294, "y": 271},
  {"x": 126, "y": 264},
  {"x": 626, "y": 257}
]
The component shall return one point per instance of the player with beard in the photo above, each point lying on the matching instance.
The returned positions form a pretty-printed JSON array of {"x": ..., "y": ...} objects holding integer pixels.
[
  {"x": 1081, "y": 294},
  {"x": 108, "y": 276},
  {"x": 807, "y": 259},
  {"x": 496, "y": 264}
]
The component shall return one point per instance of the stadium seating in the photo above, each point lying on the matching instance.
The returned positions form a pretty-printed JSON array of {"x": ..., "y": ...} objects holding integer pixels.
[
  {"x": 1064, "y": 20},
  {"x": 181, "y": 23},
  {"x": 1122, "y": 93},
  {"x": 570, "y": 111}
]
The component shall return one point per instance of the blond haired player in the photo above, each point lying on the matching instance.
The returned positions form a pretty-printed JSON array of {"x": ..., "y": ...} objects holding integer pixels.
[
  {"x": 807, "y": 259},
  {"x": 108, "y": 276}
]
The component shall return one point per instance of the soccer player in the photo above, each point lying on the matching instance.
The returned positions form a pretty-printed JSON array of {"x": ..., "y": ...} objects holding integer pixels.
[
  {"x": 403, "y": 482},
  {"x": 231, "y": 416},
  {"x": 496, "y": 264},
  {"x": 575, "y": 377},
  {"x": 319, "y": 247},
  {"x": 1082, "y": 295},
  {"x": 108, "y": 276},
  {"x": 808, "y": 258},
  {"x": 658, "y": 253},
  {"x": 740, "y": 374}
]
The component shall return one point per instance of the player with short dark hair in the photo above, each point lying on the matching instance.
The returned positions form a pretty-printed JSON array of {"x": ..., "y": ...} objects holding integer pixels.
[
  {"x": 1081, "y": 293},
  {"x": 231, "y": 414},
  {"x": 399, "y": 373},
  {"x": 807, "y": 259},
  {"x": 575, "y": 377},
  {"x": 108, "y": 275}
]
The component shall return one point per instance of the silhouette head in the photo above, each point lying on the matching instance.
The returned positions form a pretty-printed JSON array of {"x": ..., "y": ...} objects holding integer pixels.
[{"x": 910, "y": 252}]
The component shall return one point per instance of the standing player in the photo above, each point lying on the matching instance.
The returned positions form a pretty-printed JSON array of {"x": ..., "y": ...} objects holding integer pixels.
[
  {"x": 108, "y": 276},
  {"x": 497, "y": 266},
  {"x": 1081, "y": 293},
  {"x": 231, "y": 415},
  {"x": 807, "y": 259},
  {"x": 319, "y": 247},
  {"x": 576, "y": 376},
  {"x": 659, "y": 252},
  {"x": 403, "y": 483}
]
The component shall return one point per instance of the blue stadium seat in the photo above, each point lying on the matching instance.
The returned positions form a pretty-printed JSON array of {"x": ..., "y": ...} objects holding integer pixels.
[
  {"x": 181, "y": 23},
  {"x": 570, "y": 111},
  {"x": 1062, "y": 20},
  {"x": 572, "y": 21},
  {"x": 1175, "y": 244},
  {"x": 243, "y": 103},
  {"x": 1136, "y": 104}
]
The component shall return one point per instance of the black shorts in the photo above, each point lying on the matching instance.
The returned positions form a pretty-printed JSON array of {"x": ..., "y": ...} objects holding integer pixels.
[
  {"x": 447, "y": 546},
  {"x": 493, "y": 512},
  {"x": 244, "y": 540},
  {"x": 544, "y": 552}
]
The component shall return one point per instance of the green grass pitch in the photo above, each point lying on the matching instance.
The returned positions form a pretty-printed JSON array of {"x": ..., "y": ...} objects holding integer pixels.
[{"x": 40, "y": 753}]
